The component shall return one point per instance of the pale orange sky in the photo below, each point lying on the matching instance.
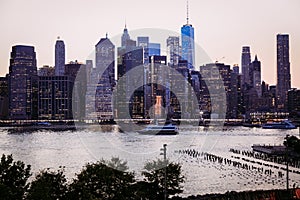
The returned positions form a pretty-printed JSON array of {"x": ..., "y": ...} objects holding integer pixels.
[{"x": 221, "y": 27}]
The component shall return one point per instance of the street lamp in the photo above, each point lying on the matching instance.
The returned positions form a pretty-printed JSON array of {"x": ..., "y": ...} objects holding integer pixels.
[
  {"x": 287, "y": 162},
  {"x": 165, "y": 169}
]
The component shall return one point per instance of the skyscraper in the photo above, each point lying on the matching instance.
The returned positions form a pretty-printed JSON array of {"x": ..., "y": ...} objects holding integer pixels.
[
  {"x": 255, "y": 76},
  {"x": 105, "y": 62},
  {"x": 59, "y": 57},
  {"x": 246, "y": 60},
  {"x": 187, "y": 43},
  {"x": 23, "y": 83},
  {"x": 283, "y": 69},
  {"x": 143, "y": 42},
  {"x": 125, "y": 37},
  {"x": 154, "y": 49},
  {"x": 173, "y": 50}
]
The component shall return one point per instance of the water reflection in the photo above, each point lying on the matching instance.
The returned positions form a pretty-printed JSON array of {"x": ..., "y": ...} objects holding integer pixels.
[{"x": 74, "y": 148}]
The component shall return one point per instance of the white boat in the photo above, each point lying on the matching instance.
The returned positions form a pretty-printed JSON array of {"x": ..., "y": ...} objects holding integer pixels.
[
  {"x": 168, "y": 129},
  {"x": 285, "y": 124}
]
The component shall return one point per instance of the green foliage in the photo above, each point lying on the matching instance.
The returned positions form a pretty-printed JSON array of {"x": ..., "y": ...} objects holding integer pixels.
[
  {"x": 155, "y": 173},
  {"x": 143, "y": 190},
  {"x": 98, "y": 181},
  {"x": 48, "y": 185},
  {"x": 106, "y": 179},
  {"x": 13, "y": 178},
  {"x": 294, "y": 143},
  {"x": 116, "y": 163}
]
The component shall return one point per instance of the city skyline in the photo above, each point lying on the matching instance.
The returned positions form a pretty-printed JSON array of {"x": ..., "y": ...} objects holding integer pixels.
[{"x": 79, "y": 32}]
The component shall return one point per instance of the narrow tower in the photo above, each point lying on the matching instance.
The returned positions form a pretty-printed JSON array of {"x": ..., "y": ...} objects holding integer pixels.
[
  {"x": 283, "y": 69},
  {"x": 59, "y": 57},
  {"x": 246, "y": 60},
  {"x": 187, "y": 42}
]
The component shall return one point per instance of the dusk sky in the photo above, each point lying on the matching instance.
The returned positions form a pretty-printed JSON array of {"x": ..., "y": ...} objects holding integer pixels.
[{"x": 221, "y": 27}]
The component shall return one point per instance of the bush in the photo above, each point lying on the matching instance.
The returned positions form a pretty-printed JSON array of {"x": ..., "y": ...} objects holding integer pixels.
[
  {"x": 98, "y": 181},
  {"x": 48, "y": 185},
  {"x": 13, "y": 178}
]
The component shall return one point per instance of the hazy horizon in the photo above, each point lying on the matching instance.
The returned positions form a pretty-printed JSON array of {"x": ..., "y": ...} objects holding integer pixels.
[{"x": 221, "y": 28}]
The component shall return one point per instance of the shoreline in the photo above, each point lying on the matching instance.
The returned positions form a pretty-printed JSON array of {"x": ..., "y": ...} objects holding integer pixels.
[{"x": 274, "y": 194}]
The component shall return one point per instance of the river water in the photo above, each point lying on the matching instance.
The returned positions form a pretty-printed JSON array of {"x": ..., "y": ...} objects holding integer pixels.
[{"x": 73, "y": 149}]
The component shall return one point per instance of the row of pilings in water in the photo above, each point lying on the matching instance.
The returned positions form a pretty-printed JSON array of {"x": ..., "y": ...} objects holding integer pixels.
[
  {"x": 278, "y": 159},
  {"x": 234, "y": 161}
]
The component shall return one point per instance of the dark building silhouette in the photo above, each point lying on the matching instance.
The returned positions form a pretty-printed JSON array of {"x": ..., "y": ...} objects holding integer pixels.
[
  {"x": 105, "y": 70},
  {"x": 215, "y": 88},
  {"x": 78, "y": 76},
  {"x": 55, "y": 97},
  {"x": 156, "y": 96},
  {"x": 131, "y": 56},
  {"x": 245, "y": 63},
  {"x": 23, "y": 83},
  {"x": 293, "y": 102},
  {"x": 283, "y": 70},
  {"x": 3, "y": 97},
  {"x": 179, "y": 79},
  {"x": 255, "y": 75},
  {"x": 236, "y": 69},
  {"x": 46, "y": 71},
  {"x": 62, "y": 97},
  {"x": 59, "y": 57},
  {"x": 233, "y": 95}
]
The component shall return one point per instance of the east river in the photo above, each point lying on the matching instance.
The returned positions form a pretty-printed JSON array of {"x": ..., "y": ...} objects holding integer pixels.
[{"x": 73, "y": 149}]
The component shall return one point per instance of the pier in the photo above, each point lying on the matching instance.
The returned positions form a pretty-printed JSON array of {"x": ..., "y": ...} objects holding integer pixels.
[{"x": 270, "y": 150}]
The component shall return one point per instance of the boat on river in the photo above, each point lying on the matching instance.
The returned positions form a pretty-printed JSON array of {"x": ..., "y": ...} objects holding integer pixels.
[
  {"x": 285, "y": 124},
  {"x": 167, "y": 129}
]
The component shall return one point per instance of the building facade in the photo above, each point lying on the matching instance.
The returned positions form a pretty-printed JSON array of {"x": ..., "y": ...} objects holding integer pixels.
[
  {"x": 255, "y": 76},
  {"x": 55, "y": 97},
  {"x": 59, "y": 57},
  {"x": 3, "y": 98},
  {"x": 188, "y": 44},
  {"x": 23, "y": 83},
  {"x": 283, "y": 70},
  {"x": 245, "y": 63},
  {"x": 173, "y": 50},
  {"x": 105, "y": 67},
  {"x": 293, "y": 102}
]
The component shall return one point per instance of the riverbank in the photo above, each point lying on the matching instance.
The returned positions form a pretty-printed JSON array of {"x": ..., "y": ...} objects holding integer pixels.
[{"x": 248, "y": 195}]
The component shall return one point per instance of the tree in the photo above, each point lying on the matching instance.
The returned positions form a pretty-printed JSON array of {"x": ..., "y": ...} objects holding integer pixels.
[
  {"x": 48, "y": 185},
  {"x": 155, "y": 173},
  {"x": 293, "y": 142},
  {"x": 13, "y": 178},
  {"x": 99, "y": 181}
]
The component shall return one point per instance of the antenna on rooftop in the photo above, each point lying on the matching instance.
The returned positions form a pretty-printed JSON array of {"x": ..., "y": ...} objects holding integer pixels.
[{"x": 187, "y": 12}]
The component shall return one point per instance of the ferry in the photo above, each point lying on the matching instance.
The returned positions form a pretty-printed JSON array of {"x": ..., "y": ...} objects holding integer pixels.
[
  {"x": 285, "y": 124},
  {"x": 167, "y": 129}
]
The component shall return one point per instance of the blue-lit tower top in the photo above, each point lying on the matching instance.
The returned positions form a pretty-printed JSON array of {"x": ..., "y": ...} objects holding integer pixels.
[{"x": 187, "y": 42}]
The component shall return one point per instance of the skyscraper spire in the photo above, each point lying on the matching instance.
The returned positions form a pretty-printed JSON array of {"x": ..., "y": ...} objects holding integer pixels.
[{"x": 187, "y": 12}]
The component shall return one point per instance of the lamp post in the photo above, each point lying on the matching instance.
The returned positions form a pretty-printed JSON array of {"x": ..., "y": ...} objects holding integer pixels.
[
  {"x": 165, "y": 169},
  {"x": 287, "y": 162}
]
